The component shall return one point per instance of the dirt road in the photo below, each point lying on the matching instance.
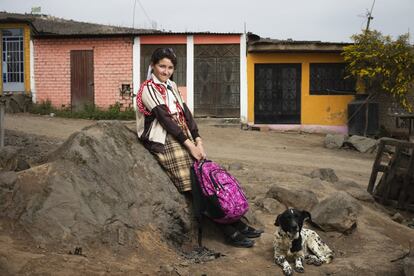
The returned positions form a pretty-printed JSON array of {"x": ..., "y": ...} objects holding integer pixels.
[
  {"x": 263, "y": 159},
  {"x": 298, "y": 152}
]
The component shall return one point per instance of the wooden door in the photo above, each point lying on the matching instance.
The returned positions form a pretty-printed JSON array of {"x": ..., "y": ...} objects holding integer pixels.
[
  {"x": 277, "y": 93},
  {"x": 82, "y": 80},
  {"x": 217, "y": 80}
]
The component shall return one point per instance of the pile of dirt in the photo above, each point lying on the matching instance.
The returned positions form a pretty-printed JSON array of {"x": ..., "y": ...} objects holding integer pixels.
[
  {"x": 100, "y": 187},
  {"x": 33, "y": 149}
]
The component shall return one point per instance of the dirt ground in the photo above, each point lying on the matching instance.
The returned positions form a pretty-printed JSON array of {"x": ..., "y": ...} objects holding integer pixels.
[{"x": 263, "y": 159}]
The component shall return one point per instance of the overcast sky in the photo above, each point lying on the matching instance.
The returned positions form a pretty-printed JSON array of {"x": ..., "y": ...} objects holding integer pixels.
[{"x": 326, "y": 20}]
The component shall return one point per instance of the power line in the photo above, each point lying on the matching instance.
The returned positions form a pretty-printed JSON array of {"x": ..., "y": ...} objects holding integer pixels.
[{"x": 144, "y": 11}]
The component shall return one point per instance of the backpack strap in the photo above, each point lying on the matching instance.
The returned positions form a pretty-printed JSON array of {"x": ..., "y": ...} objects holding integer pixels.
[{"x": 198, "y": 204}]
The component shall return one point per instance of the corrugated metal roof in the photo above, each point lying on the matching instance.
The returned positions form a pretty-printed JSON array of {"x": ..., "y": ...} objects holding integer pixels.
[{"x": 47, "y": 26}]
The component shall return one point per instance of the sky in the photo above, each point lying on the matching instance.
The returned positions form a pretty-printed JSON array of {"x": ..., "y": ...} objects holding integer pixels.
[{"x": 324, "y": 20}]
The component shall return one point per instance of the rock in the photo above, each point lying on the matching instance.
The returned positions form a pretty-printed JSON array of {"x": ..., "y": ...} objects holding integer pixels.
[
  {"x": 251, "y": 217},
  {"x": 346, "y": 184},
  {"x": 21, "y": 165},
  {"x": 101, "y": 185},
  {"x": 315, "y": 184},
  {"x": 397, "y": 217},
  {"x": 334, "y": 141},
  {"x": 293, "y": 197},
  {"x": 8, "y": 158},
  {"x": 235, "y": 167},
  {"x": 362, "y": 144},
  {"x": 409, "y": 265},
  {"x": 167, "y": 270},
  {"x": 326, "y": 174},
  {"x": 354, "y": 189},
  {"x": 360, "y": 194},
  {"x": 272, "y": 206},
  {"x": 338, "y": 212},
  {"x": 8, "y": 179}
]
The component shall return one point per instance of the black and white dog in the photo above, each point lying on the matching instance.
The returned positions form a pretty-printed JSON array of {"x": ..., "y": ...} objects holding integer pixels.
[{"x": 299, "y": 244}]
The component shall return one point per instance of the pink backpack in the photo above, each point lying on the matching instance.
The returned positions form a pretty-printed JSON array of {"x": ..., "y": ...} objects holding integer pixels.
[{"x": 223, "y": 200}]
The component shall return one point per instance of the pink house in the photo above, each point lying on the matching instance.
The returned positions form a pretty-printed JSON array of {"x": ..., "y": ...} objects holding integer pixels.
[{"x": 79, "y": 63}]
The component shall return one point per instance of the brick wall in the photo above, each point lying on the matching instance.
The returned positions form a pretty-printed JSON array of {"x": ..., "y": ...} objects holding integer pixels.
[{"x": 112, "y": 67}]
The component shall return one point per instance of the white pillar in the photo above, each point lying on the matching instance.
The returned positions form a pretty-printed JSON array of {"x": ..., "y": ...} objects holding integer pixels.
[
  {"x": 190, "y": 73},
  {"x": 136, "y": 74},
  {"x": 243, "y": 79},
  {"x": 32, "y": 73}
]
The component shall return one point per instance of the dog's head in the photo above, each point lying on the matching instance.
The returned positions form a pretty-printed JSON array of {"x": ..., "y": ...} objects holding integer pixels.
[{"x": 291, "y": 221}]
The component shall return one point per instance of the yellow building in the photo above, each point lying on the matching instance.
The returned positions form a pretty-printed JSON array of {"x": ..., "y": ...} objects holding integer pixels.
[{"x": 297, "y": 85}]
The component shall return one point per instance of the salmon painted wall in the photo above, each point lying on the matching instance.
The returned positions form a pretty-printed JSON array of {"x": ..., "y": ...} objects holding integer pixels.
[
  {"x": 26, "y": 46},
  {"x": 315, "y": 109},
  {"x": 216, "y": 39},
  {"x": 163, "y": 39}
]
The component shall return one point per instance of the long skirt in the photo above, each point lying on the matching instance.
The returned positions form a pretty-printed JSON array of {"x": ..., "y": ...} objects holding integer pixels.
[{"x": 177, "y": 162}]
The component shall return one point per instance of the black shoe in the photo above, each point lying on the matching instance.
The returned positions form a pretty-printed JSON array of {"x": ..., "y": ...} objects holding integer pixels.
[
  {"x": 239, "y": 240},
  {"x": 250, "y": 232}
]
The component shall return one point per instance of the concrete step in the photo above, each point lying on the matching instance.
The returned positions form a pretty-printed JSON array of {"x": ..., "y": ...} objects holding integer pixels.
[{"x": 219, "y": 122}]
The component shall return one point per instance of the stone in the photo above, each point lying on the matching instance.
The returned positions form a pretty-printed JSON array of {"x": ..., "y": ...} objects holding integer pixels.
[
  {"x": 346, "y": 184},
  {"x": 293, "y": 197},
  {"x": 362, "y": 144},
  {"x": 8, "y": 158},
  {"x": 334, "y": 141},
  {"x": 315, "y": 184},
  {"x": 8, "y": 179},
  {"x": 325, "y": 174},
  {"x": 409, "y": 265},
  {"x": 338, "y": 212},
  {"x": 397, "y": 217},
  {"x": 360, "y": 194},
  {"x": 272, "y": 206},
  {"x": 21, "y": 165}
]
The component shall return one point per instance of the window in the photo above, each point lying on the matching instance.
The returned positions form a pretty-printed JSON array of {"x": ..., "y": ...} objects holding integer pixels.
[
  {"x": 180, "y": 72},
  {"x": 13, "y": 60},
  {"x": 329, "y": 79}
]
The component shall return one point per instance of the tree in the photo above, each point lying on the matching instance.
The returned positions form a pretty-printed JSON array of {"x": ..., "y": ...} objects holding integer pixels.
[{"x": 382, "y": 65}]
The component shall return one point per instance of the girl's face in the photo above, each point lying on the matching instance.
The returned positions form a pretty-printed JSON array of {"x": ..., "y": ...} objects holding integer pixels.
[{"x": 163, "y": 69}]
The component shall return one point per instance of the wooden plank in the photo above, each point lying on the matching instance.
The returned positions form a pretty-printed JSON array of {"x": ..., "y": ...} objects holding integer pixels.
[
  {"x": 376, "y": 167},
  {"x": 392, "y": 171},
  {"x": 405, "y": 195}
]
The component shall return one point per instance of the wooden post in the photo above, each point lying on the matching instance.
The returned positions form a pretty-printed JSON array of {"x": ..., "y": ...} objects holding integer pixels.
[{"x": 2, "y": 114}]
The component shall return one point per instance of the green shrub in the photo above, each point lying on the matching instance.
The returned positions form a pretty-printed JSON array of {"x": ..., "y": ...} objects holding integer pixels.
[{"x": 89, "y": 111}]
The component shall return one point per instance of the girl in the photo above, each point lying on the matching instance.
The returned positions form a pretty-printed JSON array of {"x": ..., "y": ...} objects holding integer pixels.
[{"x": 167, "y": 129}]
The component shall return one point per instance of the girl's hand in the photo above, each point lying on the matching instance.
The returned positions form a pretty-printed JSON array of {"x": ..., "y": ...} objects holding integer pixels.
[
  {"x": 193, "y": 149},
  {"x": 203, "y": 153}
]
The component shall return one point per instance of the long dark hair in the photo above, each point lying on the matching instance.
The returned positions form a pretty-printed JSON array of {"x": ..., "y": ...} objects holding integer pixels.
[{"x": 161, "y": 53}]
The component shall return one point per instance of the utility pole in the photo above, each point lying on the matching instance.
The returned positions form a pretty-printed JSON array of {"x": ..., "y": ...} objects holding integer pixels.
[{"x": 369, "y": 16}]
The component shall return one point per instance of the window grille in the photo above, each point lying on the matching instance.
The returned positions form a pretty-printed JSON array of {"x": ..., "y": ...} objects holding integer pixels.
[
  {"x": 180, "y": 51},
  {"x": 13, "y": 60},
  {"x": 329, "y": 79}
]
